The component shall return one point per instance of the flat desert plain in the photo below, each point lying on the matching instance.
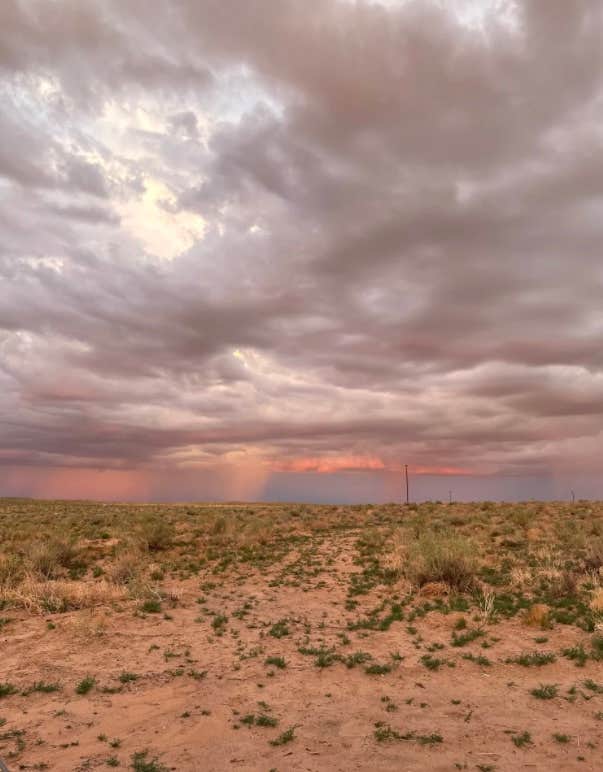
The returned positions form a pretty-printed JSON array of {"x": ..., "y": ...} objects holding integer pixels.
[{"x": 290, "y": 637}]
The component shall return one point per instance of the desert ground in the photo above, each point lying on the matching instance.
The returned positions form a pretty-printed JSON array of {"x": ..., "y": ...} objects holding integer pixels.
[{"x": 290, "y": 637}]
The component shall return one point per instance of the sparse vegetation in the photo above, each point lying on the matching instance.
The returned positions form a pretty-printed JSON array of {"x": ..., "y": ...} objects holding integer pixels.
[
  {"x": 534, "y": 658},
  {"x": 293, "y": 601}
]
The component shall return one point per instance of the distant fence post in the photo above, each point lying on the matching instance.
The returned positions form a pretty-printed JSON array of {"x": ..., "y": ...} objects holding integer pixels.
[{"x": 406, "y": 476}]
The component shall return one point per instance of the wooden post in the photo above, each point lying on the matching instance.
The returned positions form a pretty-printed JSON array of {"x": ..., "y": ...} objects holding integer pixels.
[
  {"x": 406, "y": 476},
  {"x": 573, "y": 497}
]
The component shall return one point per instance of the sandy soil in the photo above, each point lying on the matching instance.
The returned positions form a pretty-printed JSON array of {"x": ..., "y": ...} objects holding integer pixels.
[{"x": 194, "y": 687}]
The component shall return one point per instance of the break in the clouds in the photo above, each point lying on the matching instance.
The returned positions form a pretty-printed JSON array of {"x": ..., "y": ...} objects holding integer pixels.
[{"x": 256, "y": 244}]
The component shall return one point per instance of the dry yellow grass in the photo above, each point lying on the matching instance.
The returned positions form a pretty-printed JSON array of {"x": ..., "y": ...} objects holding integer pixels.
[
  {"x": 537, "y": 615},
  {"x": 60, "y": 595},
  {"x": 596, "y": 603}
]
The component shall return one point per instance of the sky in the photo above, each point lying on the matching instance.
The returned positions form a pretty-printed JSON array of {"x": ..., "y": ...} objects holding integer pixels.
[{"x": 277, "y": 250}]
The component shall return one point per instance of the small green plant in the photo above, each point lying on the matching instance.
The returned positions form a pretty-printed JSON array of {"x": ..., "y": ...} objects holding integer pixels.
[
  {"x": 142, "y": 763},
  {"x": 286, "y": 737},
  {"x": 7, "y": 689},
  {"x": 357, "y": 658},
  {"x": 577, "y": 654},
  {"x": 429, "y": 739},
  {"x": 85, "y": 685},
  {"x": 41, "y": 686},
  {"x": 376, "y": 669},
  {"x": 278, "y": 662},
  {"x": 219, "y": 624},
  {"x": 521, "y": 740},
  {"x": 385, "y": 733},
  {"x": 126, "y": 678},
  {"x": 531, "y": 659},
  {"x": 279, "y": 629},
  {"x": 265, "y": 720},
  {"x": 151, "y": 606},
  {"x": 545, "y": 692},
  {"x": 561, "y": 738},
  {"x": 432, "y": 663},
  {"x": 479, "y": 659},
  {"x": 465, "y": 638}
]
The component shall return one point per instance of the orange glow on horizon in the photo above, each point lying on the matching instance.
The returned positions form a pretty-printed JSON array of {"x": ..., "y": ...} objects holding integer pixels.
[
  {"x": 74, "y": 483},
  {"x": 362, "y": 463},
  {"x": 225, "y": 481},
  {"x": 230, "y": 482}
]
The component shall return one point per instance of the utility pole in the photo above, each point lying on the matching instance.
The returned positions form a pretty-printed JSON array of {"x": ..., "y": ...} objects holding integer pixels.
[{"x": 406, "y": 476}]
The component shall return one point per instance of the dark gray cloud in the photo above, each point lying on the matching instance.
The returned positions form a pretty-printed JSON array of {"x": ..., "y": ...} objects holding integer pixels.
[{"x": 301, "y": 236}]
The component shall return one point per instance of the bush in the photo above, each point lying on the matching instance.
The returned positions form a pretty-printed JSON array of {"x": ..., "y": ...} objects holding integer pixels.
[
  {"x": 441, "y": 557},
  {"x": 11, "y": 570},
  {"x": 594, "y": 555},
  {"x": 125, "y": 568},
  {"x": 46, "y": 559},
  {"x": 157, "y": 532}
]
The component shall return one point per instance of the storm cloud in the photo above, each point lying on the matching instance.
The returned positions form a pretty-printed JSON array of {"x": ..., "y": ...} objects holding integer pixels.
[{"x": 269, "y": 241}]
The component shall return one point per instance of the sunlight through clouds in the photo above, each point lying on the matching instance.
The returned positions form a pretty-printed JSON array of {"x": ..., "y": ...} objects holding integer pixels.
[{"x": 151, "y": 220}]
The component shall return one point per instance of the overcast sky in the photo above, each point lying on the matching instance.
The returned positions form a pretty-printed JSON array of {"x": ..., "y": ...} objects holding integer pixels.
[{"x": 279, "y": 248}]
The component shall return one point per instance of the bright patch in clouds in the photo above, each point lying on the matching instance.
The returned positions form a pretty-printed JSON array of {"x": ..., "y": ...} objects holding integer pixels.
[{"x": 155, "y": 222}]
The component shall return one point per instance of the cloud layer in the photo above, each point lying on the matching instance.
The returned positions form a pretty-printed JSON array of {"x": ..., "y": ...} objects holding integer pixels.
[{"x": 302, "y": 237}]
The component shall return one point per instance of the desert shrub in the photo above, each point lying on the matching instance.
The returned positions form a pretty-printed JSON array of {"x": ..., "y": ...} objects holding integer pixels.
[
  {"x": 441, "y": 557},
  {"x": 594, "y": 555},
  {"x": 522, "y": 518},
  {"x": 124, "y": 569},
  {"x": 157, "y": 532},
  {"x": 564, "y": 585},
  {"x": 11, "y": 570},
  {"x": 220, "y": 525},
  {"x": 596, "y": 602},
  {"x": 48, "y": 558}
]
